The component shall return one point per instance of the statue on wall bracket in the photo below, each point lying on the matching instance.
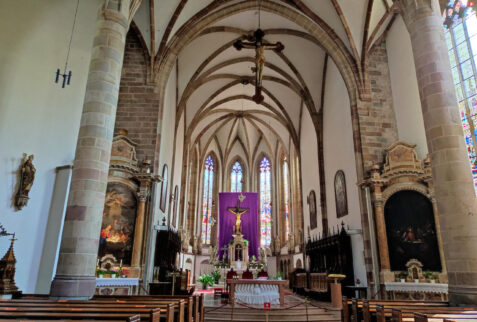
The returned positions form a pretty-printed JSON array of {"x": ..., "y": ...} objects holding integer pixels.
[{"x": 27, "y": 176}]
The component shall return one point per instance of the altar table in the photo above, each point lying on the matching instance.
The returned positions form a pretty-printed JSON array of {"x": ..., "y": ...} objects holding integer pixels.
[
  {"x": 117, "y": 286},
  {"x": 260, "y": 291},
  {"x": 417, "y": 291}
]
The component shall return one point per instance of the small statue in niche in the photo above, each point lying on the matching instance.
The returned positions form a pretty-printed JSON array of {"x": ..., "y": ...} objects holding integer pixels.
[
  {"x": 213, "y": 254},
  {"x": 27, "y": 176},
  {"x": 291, "y": 243},
  {"x": 277, "y": 245},
  {"x": 263, "y": 256},
  {"x": 199, "y": 245}
]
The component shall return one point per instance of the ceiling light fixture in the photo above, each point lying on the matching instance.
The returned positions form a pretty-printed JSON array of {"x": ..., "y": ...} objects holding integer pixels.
[{"x": 67, "y": 75}]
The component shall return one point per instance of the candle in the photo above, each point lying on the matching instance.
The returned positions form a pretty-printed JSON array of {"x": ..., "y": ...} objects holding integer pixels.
[{"x": 121, "y": 263}]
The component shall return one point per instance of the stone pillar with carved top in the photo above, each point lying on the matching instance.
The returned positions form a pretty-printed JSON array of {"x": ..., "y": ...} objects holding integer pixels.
[
  {"x": 139, "y": 229},
  {"x": 453, "y": 184},
  {"x": 75, "y": 275}
]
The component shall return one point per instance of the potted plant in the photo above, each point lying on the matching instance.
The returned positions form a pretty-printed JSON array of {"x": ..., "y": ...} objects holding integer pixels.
[
  {"x": 100, "y": 273},
  {"x": 245, "y": 242},
  {"x": 402, "y": 276},
  {"x": 216, "y": 276},
  {"x": 429, "y": 276},
  {"x": 205, "y": 280},
  {"x": 279, "y": 276}
]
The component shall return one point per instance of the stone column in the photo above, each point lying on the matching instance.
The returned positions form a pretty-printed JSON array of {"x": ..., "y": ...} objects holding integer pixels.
[
  {"x": 454, "y": 188},
  {"x": 139, "y": 229},
  {"x": 75, "y": 275}
]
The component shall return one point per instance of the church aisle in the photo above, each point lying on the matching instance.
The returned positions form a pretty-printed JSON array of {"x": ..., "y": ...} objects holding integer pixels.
[{"x": 294, "y": 310}]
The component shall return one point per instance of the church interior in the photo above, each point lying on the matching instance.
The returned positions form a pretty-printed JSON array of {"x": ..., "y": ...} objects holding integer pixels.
[{"x": 244, "y": 151}]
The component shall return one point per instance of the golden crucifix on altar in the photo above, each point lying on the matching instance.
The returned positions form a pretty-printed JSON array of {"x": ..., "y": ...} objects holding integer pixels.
[
  {"x": 238, "y": 212},
  {"x": 260, "y": 47}
]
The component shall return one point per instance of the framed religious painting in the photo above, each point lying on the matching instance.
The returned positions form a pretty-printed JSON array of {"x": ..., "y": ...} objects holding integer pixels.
[
  {"x": 341, "y": 197},
  {"x": 312, "y": 207},
  {"x": 165, "y": 181},
  {"x": 118, "y": 223}
]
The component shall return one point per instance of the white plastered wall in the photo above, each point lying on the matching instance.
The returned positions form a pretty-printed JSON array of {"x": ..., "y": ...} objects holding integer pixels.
[
  {"x": 407, "y": 105},
  {"x": 310, "y": 172},
  {"x": 37, "y": 116},
  {"x": 339, "y": 154}
]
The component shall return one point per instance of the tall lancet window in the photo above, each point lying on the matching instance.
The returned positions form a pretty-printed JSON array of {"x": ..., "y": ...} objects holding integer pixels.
[
  {"x": 286, "y": 198},
  {"x": 207, "y": 216},
  {"x": 461, "y": 39},
  {"x": 265, "y": 203},
  {"x": 236, "y": 178}
]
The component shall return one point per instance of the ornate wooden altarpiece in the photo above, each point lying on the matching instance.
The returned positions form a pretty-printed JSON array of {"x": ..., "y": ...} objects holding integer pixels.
[
  {"x": 129, "y": 185},
  {"x": 403, "y": 174}
]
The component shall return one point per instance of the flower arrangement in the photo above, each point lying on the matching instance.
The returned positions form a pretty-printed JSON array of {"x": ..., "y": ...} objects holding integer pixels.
[
  {"x": 205, "y": 280},
  {"x": 216, "y": 276},
  {"x": 245, "y": 242}
]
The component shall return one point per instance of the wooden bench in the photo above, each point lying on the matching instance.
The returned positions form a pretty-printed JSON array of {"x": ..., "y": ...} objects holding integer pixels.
[
  {"x": 68, "y": 316},
  {"x": 445, "y": 317},
  {"x": 407, "y": 314},
  {"x": 365, "y": 310},
  {"x": 198, "y": 310},
  {"x": 169, "y": 311}
]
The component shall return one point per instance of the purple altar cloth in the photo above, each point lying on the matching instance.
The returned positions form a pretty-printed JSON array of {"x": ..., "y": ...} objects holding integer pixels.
[{"x": 249, "y": 220}]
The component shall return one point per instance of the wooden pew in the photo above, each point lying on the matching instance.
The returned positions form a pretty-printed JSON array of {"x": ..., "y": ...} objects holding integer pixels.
[
  {"x": 364, "y": 310},
  {"x": 464, "y": 317},
  {"x": 153, "y": 312},
  {"x": 407, "y": 313},
  {"x": 42, "y": 316},
  {"x": 198, "y": 301}
]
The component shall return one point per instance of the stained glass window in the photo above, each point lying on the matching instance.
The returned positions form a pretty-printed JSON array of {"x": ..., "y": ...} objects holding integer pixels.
[
  {"x": 286, "y": 197},
  {"x": 461, "y": 40},
  {"x": 207, "y": 215},
  {"x": 236, "y": 177},
  {"x": 265, "y": 203}
]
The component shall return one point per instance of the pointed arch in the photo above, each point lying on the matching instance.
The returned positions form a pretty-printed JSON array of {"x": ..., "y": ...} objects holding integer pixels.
[
  {"x": 209, "y": 190},
  {"x": 232, "y": 171},
  {"x": 265, "y": 192}
]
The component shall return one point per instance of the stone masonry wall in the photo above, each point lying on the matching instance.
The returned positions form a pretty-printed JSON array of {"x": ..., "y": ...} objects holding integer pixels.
[
  {"x": 138, "y": 105},
  {"x": 378, "y": 127}
]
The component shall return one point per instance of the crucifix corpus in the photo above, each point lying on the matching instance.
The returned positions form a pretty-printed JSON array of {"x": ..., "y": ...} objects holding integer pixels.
[
  {"x": 238, "y": 212},
  {"x": 260, "y": 47}
]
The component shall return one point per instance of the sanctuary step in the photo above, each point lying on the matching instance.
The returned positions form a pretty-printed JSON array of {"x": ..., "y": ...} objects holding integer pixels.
[{"x": 298, "y": 313}]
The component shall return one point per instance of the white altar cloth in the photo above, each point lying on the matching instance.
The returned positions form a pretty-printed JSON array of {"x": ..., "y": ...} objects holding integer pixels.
[
  {"x": 110, "y": 282},
  {"x": 417, "y": 287},
  {"x": 257, "y": 293}
]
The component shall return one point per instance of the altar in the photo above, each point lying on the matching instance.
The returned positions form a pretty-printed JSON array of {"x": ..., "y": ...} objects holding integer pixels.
[
  {"x": 257, "y": 291},
  {"x": 117, "y": 286}
]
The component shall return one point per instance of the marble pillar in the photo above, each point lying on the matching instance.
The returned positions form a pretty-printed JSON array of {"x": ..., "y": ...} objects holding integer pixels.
[
  {"x": 454, "y": 187},
  {"x": 75, "y": 275}
]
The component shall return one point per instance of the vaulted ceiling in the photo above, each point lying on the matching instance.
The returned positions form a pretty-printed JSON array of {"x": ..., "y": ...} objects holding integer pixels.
[{"x": 215, "y": 81}]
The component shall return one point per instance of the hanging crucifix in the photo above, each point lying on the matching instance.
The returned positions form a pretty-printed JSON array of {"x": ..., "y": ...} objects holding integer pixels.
[
  {"x": 260, "y": 47},
  {"x": 238, "y": 212}
]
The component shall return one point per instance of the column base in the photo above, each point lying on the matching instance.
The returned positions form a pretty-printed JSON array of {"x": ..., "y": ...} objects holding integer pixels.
[
  {"x": 73, "y": 287},
  {"x": 459, "y": 295}
]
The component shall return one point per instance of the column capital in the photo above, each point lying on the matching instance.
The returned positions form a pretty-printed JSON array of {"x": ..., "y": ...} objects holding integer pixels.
[
  {"x": 117, "y": 11},
  {"x": 414, "y": 10}
]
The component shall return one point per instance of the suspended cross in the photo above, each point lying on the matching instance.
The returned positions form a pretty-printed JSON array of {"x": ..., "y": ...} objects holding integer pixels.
[{"x": 260, "y": 47}]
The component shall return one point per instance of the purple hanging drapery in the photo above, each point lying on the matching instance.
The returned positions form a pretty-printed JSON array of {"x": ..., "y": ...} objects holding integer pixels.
[{"x": 249, "y": 220}]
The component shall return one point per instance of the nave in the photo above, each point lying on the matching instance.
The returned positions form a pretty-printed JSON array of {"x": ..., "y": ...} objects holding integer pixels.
[{"x": 263, "y": 153}]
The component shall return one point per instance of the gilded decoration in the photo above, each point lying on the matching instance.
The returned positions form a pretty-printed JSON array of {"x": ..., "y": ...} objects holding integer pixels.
[
  {"x": 124, "y": 228},
  {"x": 405, "y": 213},
  {"x": 27, "y": 176}
]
